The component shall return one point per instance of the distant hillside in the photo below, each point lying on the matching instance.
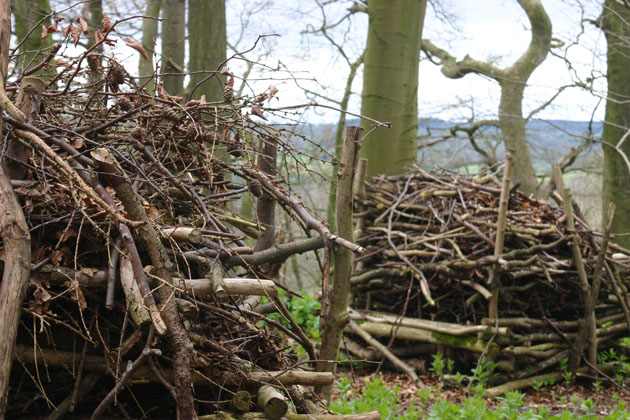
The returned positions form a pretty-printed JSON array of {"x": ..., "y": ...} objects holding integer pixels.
[{"x": 548, "y": 139}]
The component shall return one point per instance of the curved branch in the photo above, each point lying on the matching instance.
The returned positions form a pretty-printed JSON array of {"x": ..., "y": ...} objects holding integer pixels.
[
  {"x": 541, "y": 39},
  {"x": 521, "y": 69},
  {"x": 454, "y": 69}
]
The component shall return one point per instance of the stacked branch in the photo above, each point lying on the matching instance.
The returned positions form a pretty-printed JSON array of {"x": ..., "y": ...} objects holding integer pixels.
[
  {"x": 428, "y": 276},
  {"x": 143, "y": 282}
]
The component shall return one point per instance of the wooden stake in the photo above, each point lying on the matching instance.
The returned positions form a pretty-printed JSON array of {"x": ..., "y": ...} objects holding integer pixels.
[{"x": 494, "y": 279}]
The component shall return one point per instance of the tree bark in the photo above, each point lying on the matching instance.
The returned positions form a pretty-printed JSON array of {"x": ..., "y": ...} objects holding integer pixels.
[
  {"x": 149, "y": 35},
  {"x": 208, "y": 46},
  {"x": 173, "y": 45},
  {"x": 335, "y": 317},
  {"x": 27, "y": 14},
  {"x": 16, "y": 240},
  {"x": 513, "y": 81},
  {"x": 614, "y": 19},
  {"x": 390, "y": 83},
  {"x": 266, "y": 205},
  {"x": 182, "y": 346}
]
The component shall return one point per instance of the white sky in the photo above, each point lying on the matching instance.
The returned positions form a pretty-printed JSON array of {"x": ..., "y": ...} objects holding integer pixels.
[{"x": 485, "y": 29}]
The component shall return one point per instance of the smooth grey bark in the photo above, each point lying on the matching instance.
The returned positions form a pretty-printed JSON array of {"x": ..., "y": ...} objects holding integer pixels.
[
  {"x": 614, "y": 21},
  {"x": 390, "y": 83},
  {"x": 208, "y": 46},
  {"x": 173, "y": 46},
  {"x": 149, "y": 36}
]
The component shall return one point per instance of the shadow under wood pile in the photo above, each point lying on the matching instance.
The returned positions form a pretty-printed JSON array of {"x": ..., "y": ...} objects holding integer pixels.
[
  {"x": 426, "y": 276},
  {"x": 142, "y": 283}
]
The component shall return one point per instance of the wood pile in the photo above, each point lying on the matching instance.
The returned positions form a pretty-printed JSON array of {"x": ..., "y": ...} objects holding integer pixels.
[
  {"x": 144, "y": 283},
  {"x": 432, "y": 269}
]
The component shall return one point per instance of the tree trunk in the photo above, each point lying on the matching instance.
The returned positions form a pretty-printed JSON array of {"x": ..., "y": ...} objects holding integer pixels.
[
  {"x": 173, "y": 45},
  {"x": 16, "y": 240},
  {"x": 149, "y": 35},
  {"x": 615, "y": 18},
  {"x": 512, "y": 126},
  {"x": 27, "y": 14},
  {"x": 513, "y": 81},
  {"x": 208, "y": 46},
  {"x": 96, "y": 21},
  {"x": 390, "y": 83}
]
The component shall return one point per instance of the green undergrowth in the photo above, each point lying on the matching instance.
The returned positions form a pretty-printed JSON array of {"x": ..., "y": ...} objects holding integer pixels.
[
  {"x": 429, "y": 404},
  {"x": 304, "y": 311}
]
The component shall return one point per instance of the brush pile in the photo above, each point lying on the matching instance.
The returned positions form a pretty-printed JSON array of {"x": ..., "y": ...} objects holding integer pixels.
[
  {"x": 427, "y": 273},
  {"x": 143, "y": 280}
]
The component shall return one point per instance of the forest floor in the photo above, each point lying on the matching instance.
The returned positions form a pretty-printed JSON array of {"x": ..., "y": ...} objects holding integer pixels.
[{"x": 600, "y": 397}]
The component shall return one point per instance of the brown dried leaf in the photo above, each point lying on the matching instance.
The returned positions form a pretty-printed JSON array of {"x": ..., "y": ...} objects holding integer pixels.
[
  {"x": 66, "y": 234},
  {"x": 44, "y": 32},
  {"x": 76, "y": 34},
  {"x": 192, "y": 102},
  {"x": 272, "y": 91},
  {"x": 77, "y": 142},
  {"x": 88, "y": 271},
  {"x": 153, "y": 213},
  {"x": 84, "y": 25},
  {"x": 41, "y": 297},
  {"x": 67, "y": 30},
  {"x": 59, "y": 255},
  {"x": 258, "y": 112},
  {"x": 137, "y": 46},
  {"x": 107, "y": 24},
  {"x": 76, "y": 294},
  {"x": 55, "y": 26},
  {"x": 61, "y": 63},
  {"x": 98, "y": 36}
]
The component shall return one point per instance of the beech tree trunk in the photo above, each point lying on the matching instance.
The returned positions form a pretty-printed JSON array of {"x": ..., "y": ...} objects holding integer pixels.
[
  {"x": 390, "y": 83},
  {"x": 149, "y": 35},
  {"x": 173, "y": 45},
  {"x": 27, "y": 14},
  {"x": 614, "y": 21},
  {"x": 208, "y": 46}
]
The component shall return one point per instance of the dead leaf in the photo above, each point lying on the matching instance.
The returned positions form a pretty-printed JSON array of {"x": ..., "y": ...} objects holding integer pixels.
[
  {"x": 272, "y": 91},
  {"x": 76, "y": 34},
  {"x": 51, "y": 28},
  {"x": 98, "y": 36},
  {"x": 67, "y": 30},
  {"x": 84, "y": 25},
  {"x": 107, "y": 24},
  {"x": 258, "y": 112},
  {"x": 41, "y": 297},
  {"x": 137, "y": 46},
  {"x": 61, "y": 63},
  {"x": 77, "y": 142},
  {"x": 76, "y": 294},
  {"x": 59, "y": 255},
  {"x": 153, "y": 213}
]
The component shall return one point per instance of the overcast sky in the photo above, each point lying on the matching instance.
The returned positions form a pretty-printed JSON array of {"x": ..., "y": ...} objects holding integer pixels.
[{"x": 485, "y": 29}]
